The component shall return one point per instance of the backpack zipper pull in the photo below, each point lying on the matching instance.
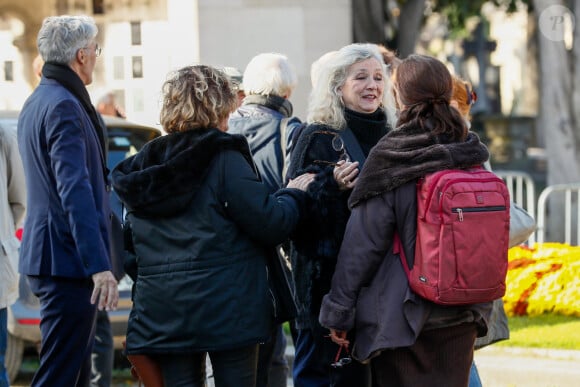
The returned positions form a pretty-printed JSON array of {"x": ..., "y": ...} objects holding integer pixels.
[{"x": 460, "y": 214}]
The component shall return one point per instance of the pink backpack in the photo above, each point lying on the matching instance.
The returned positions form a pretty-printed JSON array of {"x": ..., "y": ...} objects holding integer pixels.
[{"x": 462, "y": 237}]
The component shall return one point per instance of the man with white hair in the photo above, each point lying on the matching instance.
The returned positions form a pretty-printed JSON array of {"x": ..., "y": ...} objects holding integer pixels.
[
  {"x": 65, "y": 247},
  {"x": 265, "y": 119}
]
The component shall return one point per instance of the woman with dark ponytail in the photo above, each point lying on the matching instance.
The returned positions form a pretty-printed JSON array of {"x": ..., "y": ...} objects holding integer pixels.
[
  {"x": 424, "y": 99},
  {"x": 408, "y": 340}
]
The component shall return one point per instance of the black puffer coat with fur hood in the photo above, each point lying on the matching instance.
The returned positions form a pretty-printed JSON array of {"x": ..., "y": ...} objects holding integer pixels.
[{"x": 203, "y": 225}]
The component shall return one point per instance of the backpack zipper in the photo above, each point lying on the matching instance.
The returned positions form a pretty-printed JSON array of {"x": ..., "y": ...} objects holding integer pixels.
[
  {"x": 464, "y": 180},
  {"x": 460, "y": 211}
]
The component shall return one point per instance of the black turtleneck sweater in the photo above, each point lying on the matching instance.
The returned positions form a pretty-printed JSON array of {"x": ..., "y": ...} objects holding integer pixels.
[{"x": 368, "y": 128}]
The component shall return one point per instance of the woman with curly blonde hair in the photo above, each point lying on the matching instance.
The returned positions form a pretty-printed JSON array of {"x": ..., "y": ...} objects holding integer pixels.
[{"x": 202, "y": 227}]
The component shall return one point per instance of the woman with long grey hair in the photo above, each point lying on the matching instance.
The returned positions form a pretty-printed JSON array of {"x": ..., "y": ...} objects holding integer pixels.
[{"x": 346, "y": 118}]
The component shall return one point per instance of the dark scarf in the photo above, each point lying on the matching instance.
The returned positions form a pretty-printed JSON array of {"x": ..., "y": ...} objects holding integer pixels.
[
  {"x": 408, "y": 153},
  {"x": 64, "y": 75},
  {"x": 274, "y": 102},
  {"x": 367, "y": 128}
]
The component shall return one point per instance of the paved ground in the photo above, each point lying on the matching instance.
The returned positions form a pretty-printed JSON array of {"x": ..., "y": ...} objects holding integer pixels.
[
  {"x": 498, "y": 367},
  {"x": 516, "y": 367},
  {"x": 513, "y": 367}
]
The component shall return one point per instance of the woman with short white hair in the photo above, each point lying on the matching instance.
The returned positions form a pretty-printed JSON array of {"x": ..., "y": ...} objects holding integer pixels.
[
  {"x": 270, "y": 74},
  {"x": 265, "y": 119}
]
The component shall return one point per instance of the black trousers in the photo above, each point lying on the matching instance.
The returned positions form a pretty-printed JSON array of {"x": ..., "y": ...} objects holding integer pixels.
[
  {"x": 272, "y": 364},
  {"x": 231, "y": 368}
]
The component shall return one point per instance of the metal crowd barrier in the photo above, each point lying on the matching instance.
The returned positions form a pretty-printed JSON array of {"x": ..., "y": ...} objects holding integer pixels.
[
  {"x": 567, "y": 190},
  {"x": 522, "y": 191}
]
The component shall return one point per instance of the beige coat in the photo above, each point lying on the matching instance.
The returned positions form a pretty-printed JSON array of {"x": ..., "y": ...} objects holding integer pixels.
[{"x": 12, "y": 209}]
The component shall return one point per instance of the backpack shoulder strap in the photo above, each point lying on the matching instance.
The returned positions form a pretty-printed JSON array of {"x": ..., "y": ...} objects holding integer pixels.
[
  {"x": 283, "y": 145},
  {"x": 398, "y": 249},
  {"x": 296, "y": 125}
]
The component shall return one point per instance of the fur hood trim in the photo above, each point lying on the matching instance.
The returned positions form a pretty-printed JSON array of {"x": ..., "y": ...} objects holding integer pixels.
[
  {"x": 164, "y": 176},
  {"x": 409, "y": 153}
]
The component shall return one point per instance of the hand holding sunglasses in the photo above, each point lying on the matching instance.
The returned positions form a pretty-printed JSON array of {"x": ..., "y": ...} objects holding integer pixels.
[
  {"x": 339, "y": 337},
  {"x": 345, "y": 173}
]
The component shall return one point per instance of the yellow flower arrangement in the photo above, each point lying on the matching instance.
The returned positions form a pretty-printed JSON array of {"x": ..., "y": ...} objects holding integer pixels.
[{"x": 543, "y": 279}]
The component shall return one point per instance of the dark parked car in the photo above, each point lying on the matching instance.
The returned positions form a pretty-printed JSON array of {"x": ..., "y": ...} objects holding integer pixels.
[{"x": 125, "y": 139}]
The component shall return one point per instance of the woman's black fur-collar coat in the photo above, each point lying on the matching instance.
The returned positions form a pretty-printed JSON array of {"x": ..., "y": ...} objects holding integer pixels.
[{"x": 316, "y": 240}]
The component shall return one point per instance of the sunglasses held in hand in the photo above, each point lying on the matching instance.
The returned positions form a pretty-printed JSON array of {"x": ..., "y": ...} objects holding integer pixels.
[
  {"x": 340, "y": 362},
  {"x": 337, "y": 145}
]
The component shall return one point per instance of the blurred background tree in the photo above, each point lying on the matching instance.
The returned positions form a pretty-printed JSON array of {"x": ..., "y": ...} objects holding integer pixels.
[
  {"x": 553, "y": 38},
  {"x": 397, "y": 23}
]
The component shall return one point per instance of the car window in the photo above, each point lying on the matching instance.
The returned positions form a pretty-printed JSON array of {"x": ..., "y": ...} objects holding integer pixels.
[{"x": 126, "y": 141}]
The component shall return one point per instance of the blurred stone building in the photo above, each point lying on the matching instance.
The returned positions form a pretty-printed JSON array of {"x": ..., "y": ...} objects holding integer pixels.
[{"x": 144, "y": 39}]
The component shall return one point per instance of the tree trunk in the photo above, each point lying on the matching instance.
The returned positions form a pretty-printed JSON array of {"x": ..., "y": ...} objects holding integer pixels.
[
  {"x": 410, "y": 23},
  {"x": 556, "y": 116},
  {"x": 368, "y": 21},
  {"x": 556, "y": 113}
]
